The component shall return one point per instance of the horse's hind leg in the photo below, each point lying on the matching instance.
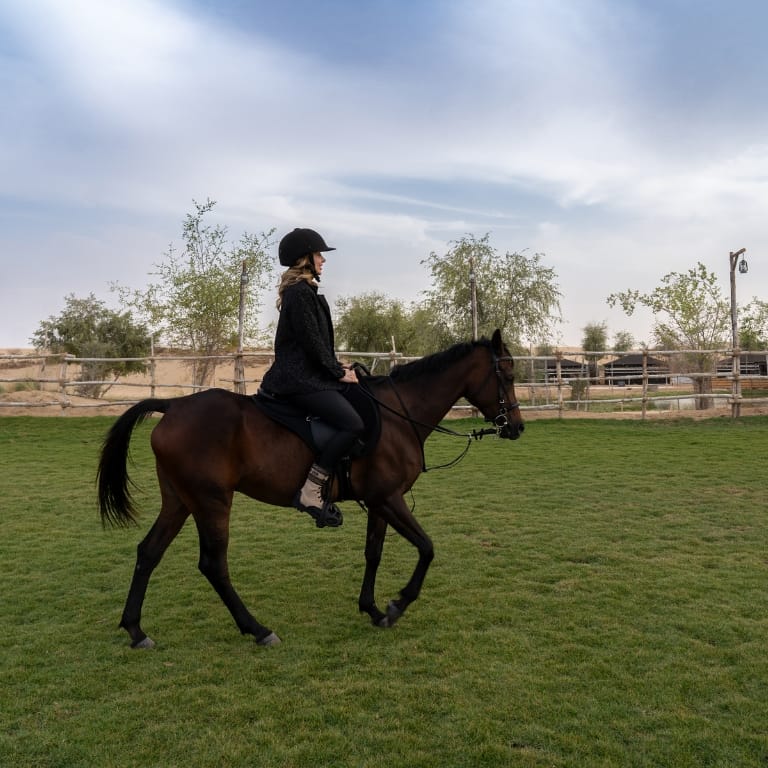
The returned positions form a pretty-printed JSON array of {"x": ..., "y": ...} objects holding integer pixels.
[
  {"x": 149, "y": 553},
  {"x": 213, "y": 529}
]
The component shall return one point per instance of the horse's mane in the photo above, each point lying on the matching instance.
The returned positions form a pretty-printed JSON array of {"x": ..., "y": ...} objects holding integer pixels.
[{"x": 436, "y": 362}]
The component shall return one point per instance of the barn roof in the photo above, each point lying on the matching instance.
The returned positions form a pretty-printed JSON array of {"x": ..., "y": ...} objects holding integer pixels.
[
  {"x": 564, "y": 363},
  {"x": 637, "y": 360},
  {"x": 746, "y": 357}
]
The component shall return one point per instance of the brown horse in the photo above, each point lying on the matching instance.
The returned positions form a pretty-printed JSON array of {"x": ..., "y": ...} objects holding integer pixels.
[{"x": 213, "y": 443}]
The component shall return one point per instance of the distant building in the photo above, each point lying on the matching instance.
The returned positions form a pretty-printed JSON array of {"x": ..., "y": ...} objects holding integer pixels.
[
  {"x": 628, "y": 369},
  {"x": 569, "y": 369},
  {"x": 750, "y": 364}
]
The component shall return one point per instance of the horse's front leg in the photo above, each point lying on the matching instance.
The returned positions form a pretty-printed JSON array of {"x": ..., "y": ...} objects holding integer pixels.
[
  {"x": 374, "y": 545},
  {"x": 396, "y": 513}
]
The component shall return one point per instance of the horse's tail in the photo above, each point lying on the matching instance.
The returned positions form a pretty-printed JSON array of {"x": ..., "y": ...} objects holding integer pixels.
[{"x": 115, "y": 502}]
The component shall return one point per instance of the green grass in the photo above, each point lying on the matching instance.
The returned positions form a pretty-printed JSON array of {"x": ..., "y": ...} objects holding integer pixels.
[{"x": 599, "y": 597}]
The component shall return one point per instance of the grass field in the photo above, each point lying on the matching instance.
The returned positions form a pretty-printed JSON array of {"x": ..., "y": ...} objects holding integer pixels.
[{"x": 599, "y": 597}]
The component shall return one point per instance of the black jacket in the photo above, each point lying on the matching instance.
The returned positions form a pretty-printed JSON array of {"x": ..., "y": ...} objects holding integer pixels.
[{"x": 305, "y": 358}]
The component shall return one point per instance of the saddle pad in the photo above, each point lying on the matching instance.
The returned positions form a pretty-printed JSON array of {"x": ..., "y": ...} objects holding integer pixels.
[{"x": 313, "y": 430}]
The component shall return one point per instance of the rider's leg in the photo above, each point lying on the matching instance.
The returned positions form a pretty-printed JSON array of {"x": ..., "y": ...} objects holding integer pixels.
[{"x": 335, "y": 409}]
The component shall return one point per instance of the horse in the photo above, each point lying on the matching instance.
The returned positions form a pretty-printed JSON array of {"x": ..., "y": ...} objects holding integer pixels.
[{"x": 213, "y": 443}]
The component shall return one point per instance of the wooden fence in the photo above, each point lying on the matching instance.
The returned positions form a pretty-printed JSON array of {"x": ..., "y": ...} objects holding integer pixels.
[
  {"x": 59, "y": 381},
  {"x": 579, "y": 383}
]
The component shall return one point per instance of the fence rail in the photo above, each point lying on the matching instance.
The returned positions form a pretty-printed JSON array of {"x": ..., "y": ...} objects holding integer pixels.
[{"x": 658, "y": 382}]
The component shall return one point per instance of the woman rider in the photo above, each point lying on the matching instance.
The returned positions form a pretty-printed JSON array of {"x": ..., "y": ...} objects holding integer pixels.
[{"x": 306, "y": 370}]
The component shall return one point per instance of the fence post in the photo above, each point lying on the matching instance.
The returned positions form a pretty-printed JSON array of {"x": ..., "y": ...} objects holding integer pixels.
[
  {"x": 392, "y": 355},
  {"x": 239, "y": 373},
  {"x": 559, "y": 376},
  {"x": 63, "y": 378},
  {"x": 736, "y": 383},
  {"x": 152, "y": 375},
  {"x": 645, "y": 383}
]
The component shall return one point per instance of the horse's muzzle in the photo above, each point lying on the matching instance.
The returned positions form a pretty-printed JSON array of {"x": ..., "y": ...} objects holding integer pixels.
[{"x": 512, "y": 431}]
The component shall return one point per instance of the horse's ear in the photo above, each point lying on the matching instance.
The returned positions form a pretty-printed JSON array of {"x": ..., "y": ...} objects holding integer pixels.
[{"x": 497, "y": 343}]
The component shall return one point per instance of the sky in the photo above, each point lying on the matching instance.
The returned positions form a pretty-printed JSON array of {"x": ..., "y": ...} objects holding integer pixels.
[{"x": 620, "y": 139}]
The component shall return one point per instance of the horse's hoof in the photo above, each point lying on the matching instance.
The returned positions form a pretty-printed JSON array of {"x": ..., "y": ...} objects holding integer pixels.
[
  {"x": 146, "y": 644},
  {"x": 393, "y": 613},
  {"x": 270, "y": 640},
  {"x": 383, "y": 622}
]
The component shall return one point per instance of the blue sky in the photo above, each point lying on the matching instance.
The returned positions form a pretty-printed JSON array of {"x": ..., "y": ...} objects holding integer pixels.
[{"x": 622, "y": 139}]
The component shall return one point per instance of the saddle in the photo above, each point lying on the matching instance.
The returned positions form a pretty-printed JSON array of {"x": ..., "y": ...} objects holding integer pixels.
[{"x": 316, "y": 433}]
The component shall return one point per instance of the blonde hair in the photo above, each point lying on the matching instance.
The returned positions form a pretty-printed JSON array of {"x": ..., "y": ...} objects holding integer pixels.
[{"x": 299, "y": 271}]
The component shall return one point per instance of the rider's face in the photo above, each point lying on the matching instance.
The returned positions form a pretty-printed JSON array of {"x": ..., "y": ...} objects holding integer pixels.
[{"x": 319, "y": 260}]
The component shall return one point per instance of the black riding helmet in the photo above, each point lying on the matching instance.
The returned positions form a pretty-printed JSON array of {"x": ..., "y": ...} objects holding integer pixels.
[{"x": 300, "y": 242}]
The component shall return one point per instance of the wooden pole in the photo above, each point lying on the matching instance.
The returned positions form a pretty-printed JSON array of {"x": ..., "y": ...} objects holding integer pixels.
[
  {"x": 473, "y": 296},
  {"x": 239, "y": 366},
  {"x": 736, "y": 362},
  {"x": 152, "y": 367},
  {"x": 645, "y": 382}
]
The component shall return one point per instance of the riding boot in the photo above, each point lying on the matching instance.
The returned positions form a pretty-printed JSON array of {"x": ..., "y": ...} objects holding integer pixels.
[{"x": 310, "y": 499}]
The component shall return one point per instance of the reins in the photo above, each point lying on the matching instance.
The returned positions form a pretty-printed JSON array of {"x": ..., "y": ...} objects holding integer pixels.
[{"x": 475, "y": 434}]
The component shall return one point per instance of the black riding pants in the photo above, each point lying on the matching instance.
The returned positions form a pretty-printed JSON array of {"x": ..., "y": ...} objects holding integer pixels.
[{"x": 333, "y": 408}]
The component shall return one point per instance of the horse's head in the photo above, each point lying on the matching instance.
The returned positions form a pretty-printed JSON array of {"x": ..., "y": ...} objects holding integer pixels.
[{"x": 494, "y": 392}]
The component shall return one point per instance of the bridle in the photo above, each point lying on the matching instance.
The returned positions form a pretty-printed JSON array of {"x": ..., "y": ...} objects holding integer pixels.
[
  {"x": 500, "y": 421},
  {"x": 501, "y": 425}
]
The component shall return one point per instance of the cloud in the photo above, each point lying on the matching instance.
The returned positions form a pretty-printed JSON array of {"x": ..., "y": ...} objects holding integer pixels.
[{"x": 597, "y": 132}]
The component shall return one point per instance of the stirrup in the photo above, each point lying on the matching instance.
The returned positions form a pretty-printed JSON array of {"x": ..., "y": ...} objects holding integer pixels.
[{"x": 327, "y": 516}]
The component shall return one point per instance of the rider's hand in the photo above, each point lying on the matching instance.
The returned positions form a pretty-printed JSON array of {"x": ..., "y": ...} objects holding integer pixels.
[{"x": 349, "y": 377}]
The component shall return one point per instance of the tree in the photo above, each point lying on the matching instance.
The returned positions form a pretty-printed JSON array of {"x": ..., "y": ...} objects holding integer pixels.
[
  {"x": 426, "y": 332},
  {"x": 514, "y": 292},
  {"x": 623, "y": 341},
  {"x": 594, "y": 340},
  {"x": 690, "y": 312},
  {"x": 595, "y": 337},
  {"x": 369, "y": 322},
  {"x": 86, "y": 328},
  {"x": 195, "y": 304},
  {"x": 689, "y": 309},
  {"x": 753, "y": 328}
]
